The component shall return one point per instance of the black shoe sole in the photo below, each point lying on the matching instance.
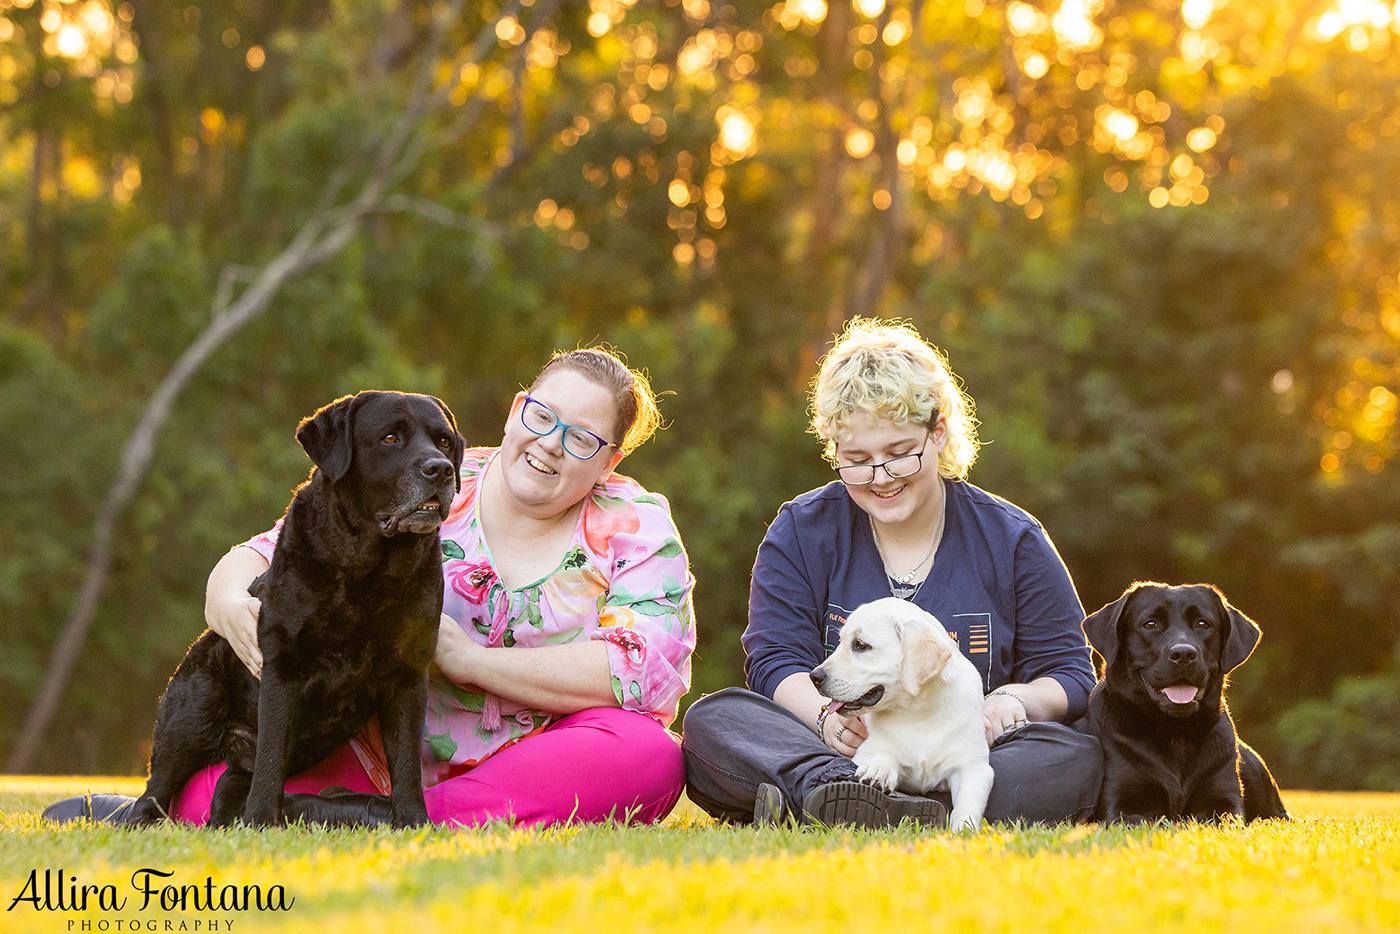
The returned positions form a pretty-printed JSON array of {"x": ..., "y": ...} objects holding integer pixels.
[
  {"x": 115, "y": 810},
  {"x": 856, "y": 804},
  {"x": 769, "y": 808}
]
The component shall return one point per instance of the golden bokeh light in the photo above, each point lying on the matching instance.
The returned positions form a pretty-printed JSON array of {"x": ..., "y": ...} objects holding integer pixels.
[
  {"x": 737, "y": 134},
  {"x": 1121, "y": 124},
  {"x": 1201, "y": 138},
  {"x": 70, "y": 41},
  {"x": 1196, "y": 13},
  {"x": 799, "y": 12},
  {"x": 1035, "y": 65},
  {"x": 1023, "y": 19},
  {"x": 1074, "y": 25},
  {"x": 859, "y": 143}
]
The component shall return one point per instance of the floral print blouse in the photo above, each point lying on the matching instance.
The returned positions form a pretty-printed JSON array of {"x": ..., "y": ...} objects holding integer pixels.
[{"x": 624, "y": 581}]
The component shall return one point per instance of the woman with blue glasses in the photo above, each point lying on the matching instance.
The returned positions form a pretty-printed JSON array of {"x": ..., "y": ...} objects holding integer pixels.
[
  {"x": 566, "y": 634},
  {"x": 901, "y": 520}
]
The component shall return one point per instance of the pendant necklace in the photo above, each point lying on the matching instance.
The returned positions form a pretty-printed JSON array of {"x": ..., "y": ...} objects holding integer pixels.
[{"x": 902, "y": 585}]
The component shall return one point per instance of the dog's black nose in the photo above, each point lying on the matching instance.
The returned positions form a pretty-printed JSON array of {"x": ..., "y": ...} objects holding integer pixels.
[
  {"x": 1184, "y": 654},
  {"x": 818, "y": 678},
  {"x": 438, "y": 468}
]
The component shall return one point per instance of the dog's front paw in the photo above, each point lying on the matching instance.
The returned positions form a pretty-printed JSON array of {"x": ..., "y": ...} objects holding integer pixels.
[
  {"x": 961, "y": 822},
  {"x": 411, "y": 818},
  {"x": 883, "y": 774},
  {"x": 258, "y": 816}
]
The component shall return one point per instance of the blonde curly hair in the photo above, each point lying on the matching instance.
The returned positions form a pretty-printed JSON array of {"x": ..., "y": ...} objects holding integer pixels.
[{"x": 884, "y": 369}]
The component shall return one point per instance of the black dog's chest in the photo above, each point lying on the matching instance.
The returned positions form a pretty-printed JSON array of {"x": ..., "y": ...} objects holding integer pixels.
[
  {"x": 1154, "y": 767},
  {"x": 335, "y": 703},
  {"x": 1176, "y": 770}
]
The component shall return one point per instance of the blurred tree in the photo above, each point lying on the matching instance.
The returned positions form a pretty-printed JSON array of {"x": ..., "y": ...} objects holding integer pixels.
[{"x": 1347, "y": 741}]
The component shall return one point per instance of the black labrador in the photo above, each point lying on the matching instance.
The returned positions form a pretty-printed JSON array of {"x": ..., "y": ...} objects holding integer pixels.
[
  {"x": 1170, "y": 748},
  {"x": 348, "y": 625}
]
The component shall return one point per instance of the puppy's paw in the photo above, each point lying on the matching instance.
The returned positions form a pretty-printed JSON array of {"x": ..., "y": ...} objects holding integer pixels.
[
  {"x": 882, "y": 774},
  {"x": 960, "y": 823}
]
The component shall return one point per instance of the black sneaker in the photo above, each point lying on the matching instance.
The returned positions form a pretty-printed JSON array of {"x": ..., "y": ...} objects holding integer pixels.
[
  {"x": 858, "y": 804},
  {"x": 105, "y": 809},
  {"x": 769, "y": 807}
]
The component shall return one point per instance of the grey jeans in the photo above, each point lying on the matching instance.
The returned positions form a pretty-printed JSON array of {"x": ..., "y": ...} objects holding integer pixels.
[{"x": 735, "y": 740}]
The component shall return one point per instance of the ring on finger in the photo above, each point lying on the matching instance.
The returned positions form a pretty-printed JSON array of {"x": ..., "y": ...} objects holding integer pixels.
[{"x": 840, "y": 732}]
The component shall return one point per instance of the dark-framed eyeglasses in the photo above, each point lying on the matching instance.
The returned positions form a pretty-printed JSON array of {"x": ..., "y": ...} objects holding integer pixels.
[
  {"x": 897, "y": 468},
  {"x": 541, "y": 420}
]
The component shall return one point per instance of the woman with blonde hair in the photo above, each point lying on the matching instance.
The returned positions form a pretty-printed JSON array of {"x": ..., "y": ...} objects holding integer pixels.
[{"x": 900, "y": 520}]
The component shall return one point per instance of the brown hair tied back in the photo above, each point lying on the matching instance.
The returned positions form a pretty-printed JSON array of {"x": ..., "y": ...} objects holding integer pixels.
[{"x": 637, "y": 414}]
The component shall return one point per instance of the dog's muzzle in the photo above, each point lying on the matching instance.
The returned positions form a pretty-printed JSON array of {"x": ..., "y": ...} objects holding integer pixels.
[
  {"x": 421, "y": 519},
  {"x": 869, "y": 699}
]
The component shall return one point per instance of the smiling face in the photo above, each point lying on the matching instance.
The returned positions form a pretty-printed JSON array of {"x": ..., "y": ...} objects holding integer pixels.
[
  {"x": 1170, "y": 646},
  {"x": 887, "y": 500},
  {"x": 537, "y": 474}
]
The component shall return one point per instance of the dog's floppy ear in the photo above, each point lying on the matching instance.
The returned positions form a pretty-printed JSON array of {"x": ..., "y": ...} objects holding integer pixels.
[
  {"x": 925, "y": 655},
  {"x": 1101, "y": 628},
  {"x": 459, "y": 444},
  {"x": 1240, "y": 640},
  {"x": 327, "y": 435}
]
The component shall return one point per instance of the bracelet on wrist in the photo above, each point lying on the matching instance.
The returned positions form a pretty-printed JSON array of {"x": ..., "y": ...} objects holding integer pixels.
[
  {"x": 1011, "y": 694},
  {"x": 821, "y": 721}
]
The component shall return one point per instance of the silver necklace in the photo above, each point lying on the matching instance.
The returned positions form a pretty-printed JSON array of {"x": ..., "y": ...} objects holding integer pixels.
[{"x": 900, "y": 584}]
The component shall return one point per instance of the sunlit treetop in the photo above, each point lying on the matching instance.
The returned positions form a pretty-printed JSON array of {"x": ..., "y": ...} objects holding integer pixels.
[{"x": 884, "y": 113}]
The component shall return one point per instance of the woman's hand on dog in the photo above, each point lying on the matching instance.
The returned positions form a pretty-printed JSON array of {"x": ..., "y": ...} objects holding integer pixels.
[
  {"x": 230, "y": 610},
  {"x": 239, "y": 625},
  {"x": 843, "y": 734}
]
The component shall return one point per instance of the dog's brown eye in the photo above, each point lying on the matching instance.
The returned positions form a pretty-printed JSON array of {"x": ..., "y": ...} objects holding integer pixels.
[
  {"x": 858, "y": 646},
  {"x": 444, "y": 443},
  {"x": 1150, "y": 624},
  {"x": 1202, "y": 624},
  {"x": 390, "y": 438}
]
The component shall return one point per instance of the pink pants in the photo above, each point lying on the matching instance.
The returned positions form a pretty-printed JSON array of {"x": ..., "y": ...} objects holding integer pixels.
[{"x": 588, "y": 766}]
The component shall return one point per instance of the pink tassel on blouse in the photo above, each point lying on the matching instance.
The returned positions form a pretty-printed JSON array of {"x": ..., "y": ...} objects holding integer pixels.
[
  {"x": 491, "y": 709},
  {"x": 491, "y": 714}
]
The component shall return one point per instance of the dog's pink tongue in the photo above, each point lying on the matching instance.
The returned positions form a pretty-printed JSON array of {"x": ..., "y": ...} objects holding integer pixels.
[
  {"x": 1180, "y": 693},
  {"x": 833, "y": 706}
]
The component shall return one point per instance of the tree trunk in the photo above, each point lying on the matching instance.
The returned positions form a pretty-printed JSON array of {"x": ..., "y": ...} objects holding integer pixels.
[{"x": 323, "y": 236}]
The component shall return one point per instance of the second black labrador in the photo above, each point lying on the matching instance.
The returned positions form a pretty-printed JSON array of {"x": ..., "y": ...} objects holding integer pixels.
[
  {"x": 348, "y": 624},
  {"x": 1170, "y": 748}
]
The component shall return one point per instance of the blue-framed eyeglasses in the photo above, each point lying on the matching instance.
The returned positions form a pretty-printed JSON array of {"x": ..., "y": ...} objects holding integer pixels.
[{"x": 541, "y": 420}]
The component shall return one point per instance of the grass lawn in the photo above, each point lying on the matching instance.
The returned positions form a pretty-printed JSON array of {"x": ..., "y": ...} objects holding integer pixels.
[{"x": 1335, "y": 868}]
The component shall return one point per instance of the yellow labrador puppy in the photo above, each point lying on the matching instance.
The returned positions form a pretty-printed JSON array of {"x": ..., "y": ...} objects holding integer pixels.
[{"x": 924, "y": 703}]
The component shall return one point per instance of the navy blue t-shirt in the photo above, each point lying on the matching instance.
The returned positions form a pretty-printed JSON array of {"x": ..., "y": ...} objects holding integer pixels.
[{"x": 998, "y": 586}]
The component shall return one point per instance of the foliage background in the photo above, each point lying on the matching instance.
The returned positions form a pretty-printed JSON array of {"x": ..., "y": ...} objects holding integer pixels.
[{"x": 1156, "y": 239}]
